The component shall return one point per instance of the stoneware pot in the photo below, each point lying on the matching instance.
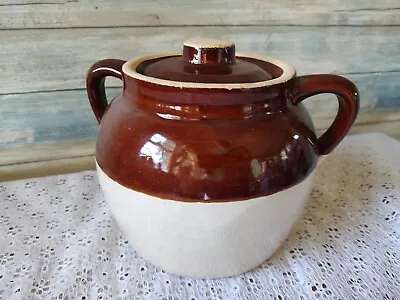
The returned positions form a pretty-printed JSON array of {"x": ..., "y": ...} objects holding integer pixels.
[{"x": 206, "y": 157}]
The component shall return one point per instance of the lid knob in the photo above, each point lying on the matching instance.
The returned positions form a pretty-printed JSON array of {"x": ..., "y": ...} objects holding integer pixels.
[{"x": 209, "y": 51}]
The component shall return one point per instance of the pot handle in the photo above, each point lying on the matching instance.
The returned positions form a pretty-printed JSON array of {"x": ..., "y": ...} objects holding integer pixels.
[
  {"x": 347, "y": 95},
  {"x": 95, "y": 83}
]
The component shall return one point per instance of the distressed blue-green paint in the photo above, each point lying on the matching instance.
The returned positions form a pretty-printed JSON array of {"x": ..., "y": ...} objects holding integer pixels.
[
  {"x": 66, "y": 115},
  {"x": 384, "y": 87},
  {"x": 46, "y": 116},
  {"x": 393, "y": 102},
  {"x": 61, "y": 57}
]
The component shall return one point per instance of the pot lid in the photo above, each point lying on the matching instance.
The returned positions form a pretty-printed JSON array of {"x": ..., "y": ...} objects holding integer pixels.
[{"x": 209, "y": 61}]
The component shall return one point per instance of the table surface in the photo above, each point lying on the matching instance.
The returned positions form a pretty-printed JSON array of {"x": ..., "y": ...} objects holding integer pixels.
[{"x": 58, "y": 239}]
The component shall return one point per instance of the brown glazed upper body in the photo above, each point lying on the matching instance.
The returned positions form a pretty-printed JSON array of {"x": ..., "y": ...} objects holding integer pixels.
[{"x": 205, "y": 142}]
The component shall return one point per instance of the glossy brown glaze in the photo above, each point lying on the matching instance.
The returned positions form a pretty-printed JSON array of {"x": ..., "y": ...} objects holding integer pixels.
[
  {"x": 347, "y": 95},
  {"x": 213, "y": 55},
  {"x": 95, "y": 83},
  {"x": 216, "y": 145},
  {"x": 207, "y": 65}
]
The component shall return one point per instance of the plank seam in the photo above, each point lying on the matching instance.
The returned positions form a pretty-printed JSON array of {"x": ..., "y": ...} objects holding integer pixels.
[
  {"x": 45, "y": 160},
  {"x": 118, "y": 87},
  {"x": 197, "y": 25}
]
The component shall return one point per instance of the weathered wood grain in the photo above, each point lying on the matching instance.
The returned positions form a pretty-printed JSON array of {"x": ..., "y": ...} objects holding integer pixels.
[
  {"x": 46, "y": 123},
  {"x": 40, "y": 117},
  {"x": 46, "y": 168},
  {"x": 46, "y": 151},
  {"x": 16, "y": 14},
  {"x": 29, "y": 119},
  {"x": 41, "y": 60}
]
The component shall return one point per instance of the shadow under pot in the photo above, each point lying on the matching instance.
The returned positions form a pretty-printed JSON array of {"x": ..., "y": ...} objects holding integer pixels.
[{"x": 206, "y": 157}]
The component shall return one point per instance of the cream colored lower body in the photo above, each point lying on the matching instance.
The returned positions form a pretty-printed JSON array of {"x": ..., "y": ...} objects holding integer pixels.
[{"x": 205, "y": 240}]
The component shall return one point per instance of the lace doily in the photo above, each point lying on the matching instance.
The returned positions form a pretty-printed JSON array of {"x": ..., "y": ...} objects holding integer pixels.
[{"x": 59, "y": 241}]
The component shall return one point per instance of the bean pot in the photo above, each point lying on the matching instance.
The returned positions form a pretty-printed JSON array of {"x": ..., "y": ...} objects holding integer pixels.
[{"x": 206, "y": 157}]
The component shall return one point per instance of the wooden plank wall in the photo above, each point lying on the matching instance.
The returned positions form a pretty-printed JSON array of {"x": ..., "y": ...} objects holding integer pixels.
[{"x": 46, "y": 46}]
